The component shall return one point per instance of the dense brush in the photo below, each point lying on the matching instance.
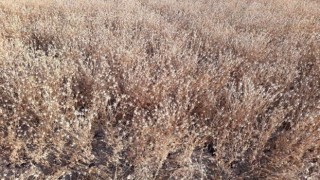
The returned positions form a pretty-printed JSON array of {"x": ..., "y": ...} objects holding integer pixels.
[{"x": 160, "y": 89}]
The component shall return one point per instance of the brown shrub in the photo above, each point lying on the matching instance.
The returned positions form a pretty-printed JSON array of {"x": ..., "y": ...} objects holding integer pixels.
[{"x": 144, "y": 89}]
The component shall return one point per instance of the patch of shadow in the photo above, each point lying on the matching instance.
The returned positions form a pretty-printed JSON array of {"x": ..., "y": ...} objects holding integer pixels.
[
  {"x": 100, "y": 149},
  {"x": 64, "y": 159},
  {"x": 24, "y": 165},
  {"x": 126, "y": 167},
  {"x": 31, "y": 146},
  {"x": 46, "y": 170},
  {"x": 168, "y": 168},
  {"x": 99, "y": 134},
  {"x": 204, "y": 156},
  {"x": 52, "y": 159},
  {"x": 3, "y": 132},
  {"x": 27, "y": 126},
  {"x": 240, "y": 167},
  {"x": 74, "y": 175},
  {"x": 209, "y": 148},
  {"x": 42, "y": 42},
  {"x": 285, "y": 126},
  {"x": 170, "y": 165}
]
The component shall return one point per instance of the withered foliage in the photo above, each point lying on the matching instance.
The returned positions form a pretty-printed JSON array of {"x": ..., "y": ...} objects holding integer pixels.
[{"x": 160, "y": 89}]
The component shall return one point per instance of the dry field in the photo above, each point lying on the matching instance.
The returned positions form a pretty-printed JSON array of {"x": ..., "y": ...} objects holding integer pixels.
[{"x": 160, "y": 89}]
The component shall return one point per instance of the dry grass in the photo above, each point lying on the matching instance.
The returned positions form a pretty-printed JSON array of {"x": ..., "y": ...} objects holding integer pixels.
[{"x": 167, "y": 89}]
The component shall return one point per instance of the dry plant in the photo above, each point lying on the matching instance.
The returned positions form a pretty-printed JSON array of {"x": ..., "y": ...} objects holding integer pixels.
[{"x": 160, "y": 89}]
